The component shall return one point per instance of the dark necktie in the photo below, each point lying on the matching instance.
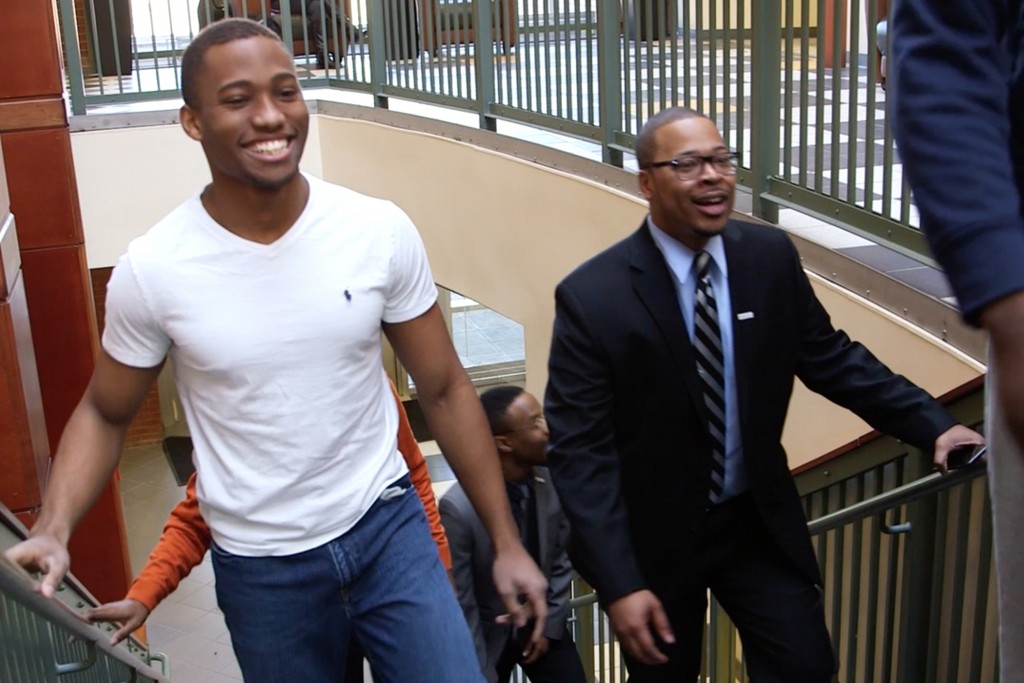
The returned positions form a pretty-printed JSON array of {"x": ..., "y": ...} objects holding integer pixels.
[
  {"x": 707, "y": 342},
  {"x": 519, "y": 495}
]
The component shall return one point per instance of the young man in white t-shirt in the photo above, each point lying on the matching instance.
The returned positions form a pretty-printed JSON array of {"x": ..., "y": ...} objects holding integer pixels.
[{"x": 269, "y": 291}]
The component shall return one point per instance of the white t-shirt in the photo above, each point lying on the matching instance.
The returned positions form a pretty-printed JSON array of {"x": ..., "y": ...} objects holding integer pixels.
[{"x": 277, "y": 359}]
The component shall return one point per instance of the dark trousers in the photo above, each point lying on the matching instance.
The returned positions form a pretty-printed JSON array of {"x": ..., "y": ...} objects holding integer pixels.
[
  {"x": 777, "y": 610},
  {"x": 560, "y": 664}
]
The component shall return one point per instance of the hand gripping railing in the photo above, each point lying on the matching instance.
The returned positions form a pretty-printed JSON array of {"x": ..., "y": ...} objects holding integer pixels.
[
  {"x": 43, "y": 640},
  {"x": 37, "y": 631}
]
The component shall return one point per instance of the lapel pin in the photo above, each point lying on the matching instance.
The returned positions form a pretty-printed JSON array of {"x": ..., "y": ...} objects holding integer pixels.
[{"x": 745, "y": 315}]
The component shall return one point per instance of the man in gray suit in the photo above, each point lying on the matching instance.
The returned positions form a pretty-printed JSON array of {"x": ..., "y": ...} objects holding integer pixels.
[{"x": 521, "y": 436}]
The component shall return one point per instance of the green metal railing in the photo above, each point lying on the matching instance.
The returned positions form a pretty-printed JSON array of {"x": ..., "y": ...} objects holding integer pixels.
[
  {"x": 793, "y": 84},
  {"x": 44, "y": 641}
]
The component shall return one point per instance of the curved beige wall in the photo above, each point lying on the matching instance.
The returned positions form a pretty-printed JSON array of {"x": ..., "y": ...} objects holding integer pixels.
[
  {"x": 129, "y": 178},
  {"x": 499, "y": 229},
  {"x": 923, "y": 358}
]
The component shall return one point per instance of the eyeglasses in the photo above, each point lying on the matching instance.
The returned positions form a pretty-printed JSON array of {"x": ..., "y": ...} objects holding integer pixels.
[
  {"x": 691, "y": 166},
  {"x": 535, "y": 423}
]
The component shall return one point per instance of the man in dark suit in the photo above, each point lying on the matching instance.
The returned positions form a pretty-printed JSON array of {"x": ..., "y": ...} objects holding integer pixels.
[
  {"x": 521, "y": 436},
  {"x": 672, "y": 363}
]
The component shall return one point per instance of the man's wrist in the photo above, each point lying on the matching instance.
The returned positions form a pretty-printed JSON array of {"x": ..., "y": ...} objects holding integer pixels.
[
  {"x": 506, "y": 539},
  {"x": 44, "y": 527}
]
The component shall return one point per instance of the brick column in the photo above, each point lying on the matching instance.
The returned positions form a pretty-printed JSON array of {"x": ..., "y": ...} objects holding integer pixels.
[{"x": 36, "y": 147}]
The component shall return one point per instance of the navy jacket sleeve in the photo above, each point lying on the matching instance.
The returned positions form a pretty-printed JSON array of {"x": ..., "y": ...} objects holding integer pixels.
[
  {"x": 582, "y": 456},
  {"x": 956, "y": 78}
]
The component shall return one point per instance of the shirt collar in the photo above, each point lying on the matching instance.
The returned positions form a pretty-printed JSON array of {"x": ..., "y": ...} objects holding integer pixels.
[{"x": 680, "y": 257}]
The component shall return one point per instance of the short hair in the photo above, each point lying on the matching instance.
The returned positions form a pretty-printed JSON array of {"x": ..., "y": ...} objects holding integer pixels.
[
  {"x": 217, "y": 33},
  {"x": 496, "y": 402},
  {"x": 645, "y": 146}
]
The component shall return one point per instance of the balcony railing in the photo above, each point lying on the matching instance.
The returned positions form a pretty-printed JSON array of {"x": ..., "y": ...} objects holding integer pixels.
[{"x": 794, "y": 85}]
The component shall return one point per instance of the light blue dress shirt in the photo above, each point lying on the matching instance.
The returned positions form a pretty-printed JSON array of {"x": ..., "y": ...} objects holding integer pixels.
[{"x": 680, "y": 259}]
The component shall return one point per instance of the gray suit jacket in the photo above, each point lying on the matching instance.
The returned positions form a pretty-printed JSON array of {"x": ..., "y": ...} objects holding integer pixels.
[{"x": 473, "y": 558}]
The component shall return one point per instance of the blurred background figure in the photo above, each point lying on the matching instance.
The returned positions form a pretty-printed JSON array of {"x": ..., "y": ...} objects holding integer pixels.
[{"x": 957, "y": 76}]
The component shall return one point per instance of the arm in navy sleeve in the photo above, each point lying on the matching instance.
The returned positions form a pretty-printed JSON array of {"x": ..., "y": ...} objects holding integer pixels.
[{"x": 953, "y": 83}]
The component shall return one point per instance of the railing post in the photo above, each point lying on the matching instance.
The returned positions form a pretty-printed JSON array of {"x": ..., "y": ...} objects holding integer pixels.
[
  {"x": 378, "y": 64},
  {"x": 919, "y": 577},
  {"x": 609, "y": 84},
  {"x": 484, "y": 61},
  {"x": 286, "y": 24},
  {"x": 585, "y": 633},
  {"x": 76, "y": 77},
  {"x": 766, "y": 82}
]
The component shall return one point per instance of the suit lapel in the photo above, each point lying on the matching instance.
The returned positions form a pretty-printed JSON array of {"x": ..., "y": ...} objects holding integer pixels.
[
  {"x": 656, "y": 288},
  {"x": 743, "y": 293}
]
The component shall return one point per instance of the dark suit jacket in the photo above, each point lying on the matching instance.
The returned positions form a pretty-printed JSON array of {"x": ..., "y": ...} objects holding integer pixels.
[
  {"x": 629, "y": 449},
  {"x": 473, "y": 561}
]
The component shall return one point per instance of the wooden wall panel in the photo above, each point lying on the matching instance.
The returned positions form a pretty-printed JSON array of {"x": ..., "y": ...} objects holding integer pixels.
[
  {"x": 28, "y": 517},
  {"x": 64, "y": 332},
  {"x": 5, "y": 196},
  {"x": 22, "y": 424},
  {"x": 63, "y": 328},
  {"x": 47, "y": 112},
  {"x": 99, "y": 557},
  {"x": 10, "y": 255},
  {"x": 43, "y": 189},
  {"x": 29, "y": 61}
]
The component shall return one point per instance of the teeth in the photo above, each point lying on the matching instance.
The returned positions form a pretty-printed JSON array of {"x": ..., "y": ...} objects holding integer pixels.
[{"x": 269, "y": 146}]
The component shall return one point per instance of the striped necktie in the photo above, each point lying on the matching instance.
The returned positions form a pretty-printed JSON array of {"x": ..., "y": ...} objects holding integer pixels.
[{"x": 707, "y": 342}]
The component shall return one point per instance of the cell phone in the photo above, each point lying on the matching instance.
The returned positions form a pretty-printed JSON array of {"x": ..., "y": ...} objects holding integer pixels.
[{"x": 962, "y": 456}]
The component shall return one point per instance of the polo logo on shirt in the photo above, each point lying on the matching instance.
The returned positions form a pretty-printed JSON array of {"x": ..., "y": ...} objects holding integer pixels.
[{"x": 348, "y": 295}]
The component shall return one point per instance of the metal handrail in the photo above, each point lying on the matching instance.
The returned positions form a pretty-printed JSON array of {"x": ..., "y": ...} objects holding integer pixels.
[
  {"x": 17, "y": 584},
  {"x": 919, "y": 488},
  {"x": 596, "y": 70},
  {"x": 901, "y": 495},
  {"x": 73, "y": 596}
]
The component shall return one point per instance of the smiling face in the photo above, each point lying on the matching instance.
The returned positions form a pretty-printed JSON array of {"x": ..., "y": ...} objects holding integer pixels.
[
  {"x": 691, "y": 211},
  {"x": 249, "y": 115}
]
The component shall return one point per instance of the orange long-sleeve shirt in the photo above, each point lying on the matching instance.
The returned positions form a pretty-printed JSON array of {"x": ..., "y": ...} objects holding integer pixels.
[{"x": 186, "y": 538}]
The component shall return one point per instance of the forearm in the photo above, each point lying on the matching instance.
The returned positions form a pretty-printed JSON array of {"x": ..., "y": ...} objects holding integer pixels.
[
  {"x": 582, "y": 456},
  {"x": 164, "y": 571},
  {"x": 1004, "y": 321},
  {"x": 84, "y": 462},
  {"x": 182, "y": 545}
]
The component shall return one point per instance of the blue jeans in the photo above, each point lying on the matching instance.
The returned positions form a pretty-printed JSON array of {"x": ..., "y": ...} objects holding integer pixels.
[{"x": 291, "y": 617}]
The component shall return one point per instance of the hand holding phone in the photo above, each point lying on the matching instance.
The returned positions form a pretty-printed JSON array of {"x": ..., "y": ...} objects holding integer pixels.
[{"x": 963, "y": 456}]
